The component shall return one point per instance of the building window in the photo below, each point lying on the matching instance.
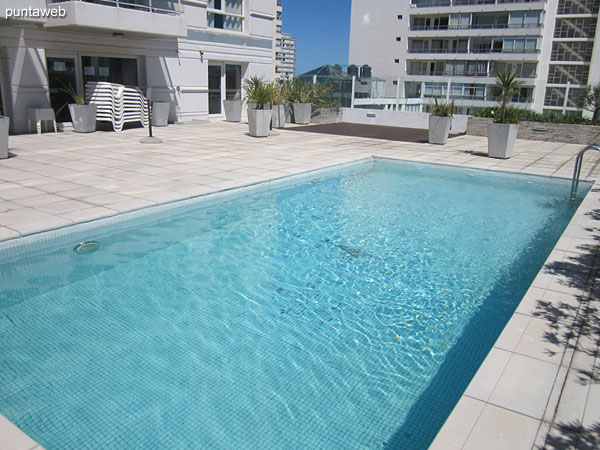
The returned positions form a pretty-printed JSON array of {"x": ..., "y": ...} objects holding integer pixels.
[
  {"x": 572, "y": 51},
  {"x": 398, "y": 39},
  {"x": 396, "y": 61},
  {"x": 278, "y": 15},
  {"x": 278, "y": 29},
  {"x": 575, "y": 27},
  {"x": 578, "y": 7},
  {"x": 563, "y": 74},
  {"x": 225, "y": 14},
  {"x": 114, "y": 70},
  {"x": 555, "y": 97},
  {"x": 399, "y": 16}
]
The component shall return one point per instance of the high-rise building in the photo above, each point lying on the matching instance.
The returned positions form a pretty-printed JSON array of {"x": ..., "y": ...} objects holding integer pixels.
[
  {"x": 453, "y": 49},
  {"x": 284, "y": 58},
  {"x": 193, "y": 54}
]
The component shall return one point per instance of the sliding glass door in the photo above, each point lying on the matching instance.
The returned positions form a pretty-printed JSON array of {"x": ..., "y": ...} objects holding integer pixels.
[
  {"x": 62, "y": 75},
  {"x": 224, "y": 83}
]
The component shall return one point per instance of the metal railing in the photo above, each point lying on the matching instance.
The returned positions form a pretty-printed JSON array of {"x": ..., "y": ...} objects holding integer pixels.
[
  {"x": 438, "y": 3},
  {"x": 474, "y": 50},
  {"x": 577, "y": 169},
  {"x": 474, "y": 26},
  {"x": 443, "y": 73},
  {"x": 172, "y": 7}
]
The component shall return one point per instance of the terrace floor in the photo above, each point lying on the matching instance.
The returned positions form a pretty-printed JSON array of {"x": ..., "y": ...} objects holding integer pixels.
[{"x": 539, "y": 386}]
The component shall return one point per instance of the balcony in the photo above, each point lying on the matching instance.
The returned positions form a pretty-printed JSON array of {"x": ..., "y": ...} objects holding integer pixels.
[
  {"x": 441, "y": 3},
  {"x": 444, "y": 73},
  {"x": 475, "y": 26},
  {"x": 466, "y": 73},
  {"x": 138, "y": 17}
]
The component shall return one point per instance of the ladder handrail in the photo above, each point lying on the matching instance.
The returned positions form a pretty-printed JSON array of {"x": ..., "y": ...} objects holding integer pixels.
[{"x": 577, "y": 168}]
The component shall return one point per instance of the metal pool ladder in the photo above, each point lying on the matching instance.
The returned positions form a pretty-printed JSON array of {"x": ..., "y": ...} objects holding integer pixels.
[{"x": 577, "y": 169}]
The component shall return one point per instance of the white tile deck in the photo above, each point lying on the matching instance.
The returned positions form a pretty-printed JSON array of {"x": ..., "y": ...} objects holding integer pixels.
[{"x": 538, "y": 380}]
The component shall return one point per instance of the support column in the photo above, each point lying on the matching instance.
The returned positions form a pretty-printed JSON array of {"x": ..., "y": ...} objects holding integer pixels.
[{"x": 353, "y": 88}]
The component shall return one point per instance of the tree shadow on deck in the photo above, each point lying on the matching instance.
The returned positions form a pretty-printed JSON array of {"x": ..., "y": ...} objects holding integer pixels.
[{"x": 579, "y": 271}]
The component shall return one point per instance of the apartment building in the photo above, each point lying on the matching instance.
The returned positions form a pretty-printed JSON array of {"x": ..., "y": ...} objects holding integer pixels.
[
  {"x": 453, "y": 49},
  {"x": 191, "y": 53},
  {"x": 285, "y": 59},
  {"x": 284, "y": 51}
]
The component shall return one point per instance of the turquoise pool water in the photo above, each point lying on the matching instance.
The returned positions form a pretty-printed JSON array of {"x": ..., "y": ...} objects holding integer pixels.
[{"x": 349, "y": 309}]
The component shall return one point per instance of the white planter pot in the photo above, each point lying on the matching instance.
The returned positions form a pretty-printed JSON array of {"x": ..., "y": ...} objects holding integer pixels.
[
  {"x": 233, "y": 110},
  {"x": 302, "y": 113},
  {"x": 501, "y": 139},
  {"x": 4, "y": 124},
  {"x": 160, "y": 114},
  {"x": 83, "y": 118},
  {"x": 258, "y": 122},
  {"x": 439, "y": 128},
  {"x": 278, "y": 116}
]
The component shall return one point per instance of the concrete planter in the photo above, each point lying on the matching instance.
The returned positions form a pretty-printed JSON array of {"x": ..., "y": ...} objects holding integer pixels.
[
  {"x": 160, "y": 114},
  {"x": 302, "y": 112},
  {"x": 4, "y": 124},
  {"x": 278, "y": 116},
  {"x": 233, "y": 110},
  {"x": 439, "y": 128},
  {"x": 259, "y": 121},
  {"x": 289, "y": 113},
  {"x": 501, "y": 139},
  {"x": 83, "y": 118}
]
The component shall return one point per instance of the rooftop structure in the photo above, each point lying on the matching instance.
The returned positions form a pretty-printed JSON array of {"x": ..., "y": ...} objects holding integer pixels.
[
  {"x": 191, "y": 54},
  {"x": 284, "y": 58},
  {"x": 453, "y": 49}
]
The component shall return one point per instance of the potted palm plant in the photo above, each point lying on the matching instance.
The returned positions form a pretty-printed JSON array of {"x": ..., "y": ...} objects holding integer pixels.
[
  {"x": 440, "y": 121},
  {"x": 302, "y": 102},
  {"x": 260, "y": 93},
  {"x": 83, "y": 116},
  {"x": 502, "y": 133},
  {"x": 233, "y": 109},
  {"x": 250, "y": 85},
  {"x": 279, "y": 108}
]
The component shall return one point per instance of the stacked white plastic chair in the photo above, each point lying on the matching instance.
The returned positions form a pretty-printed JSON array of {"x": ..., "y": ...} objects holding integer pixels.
[{"x": 117, "y": 104}]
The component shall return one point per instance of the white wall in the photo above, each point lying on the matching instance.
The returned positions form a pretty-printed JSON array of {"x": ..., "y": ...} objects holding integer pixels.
[
  {"x": 397, "y": 119},
  {"x": 176, "y": 70}
]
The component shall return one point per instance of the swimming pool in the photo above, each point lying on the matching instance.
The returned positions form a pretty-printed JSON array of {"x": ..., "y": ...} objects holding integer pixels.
[{"x": 347, "y": 309}]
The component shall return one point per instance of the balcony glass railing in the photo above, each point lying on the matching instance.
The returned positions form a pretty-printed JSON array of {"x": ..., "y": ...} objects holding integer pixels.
[
  {"x": 474, "y": 26},
  {"x": 433, "y": 3},
  {"x": 444, "y": 73},
  {"x": 152, "y": 6},
  {"x": 475, "y": 50},
  {"x": 436, "y": 50}
]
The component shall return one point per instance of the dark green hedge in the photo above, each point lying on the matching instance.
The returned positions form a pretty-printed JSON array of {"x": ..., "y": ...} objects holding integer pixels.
[{"x": 525, "y": 114}]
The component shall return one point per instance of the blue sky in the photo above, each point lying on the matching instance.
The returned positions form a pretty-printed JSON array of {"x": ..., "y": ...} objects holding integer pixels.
[{"x": 321, "y": 29}]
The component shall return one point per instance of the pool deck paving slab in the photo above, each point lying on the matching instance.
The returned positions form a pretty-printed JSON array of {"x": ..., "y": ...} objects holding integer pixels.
[{"x": 540, "y": 385}]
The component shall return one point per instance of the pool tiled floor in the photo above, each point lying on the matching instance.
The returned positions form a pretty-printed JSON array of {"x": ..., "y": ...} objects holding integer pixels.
[{"x": 539, "y": 386}]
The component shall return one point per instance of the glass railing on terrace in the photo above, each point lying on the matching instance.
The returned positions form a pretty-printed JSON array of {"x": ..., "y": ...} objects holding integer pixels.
[
  {"x": 476, "y": 97},
  {"x": 152, "y": 6}
]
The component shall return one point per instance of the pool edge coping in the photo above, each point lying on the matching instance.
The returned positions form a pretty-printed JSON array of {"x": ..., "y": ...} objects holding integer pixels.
[{"x": 25, "y": 442}]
